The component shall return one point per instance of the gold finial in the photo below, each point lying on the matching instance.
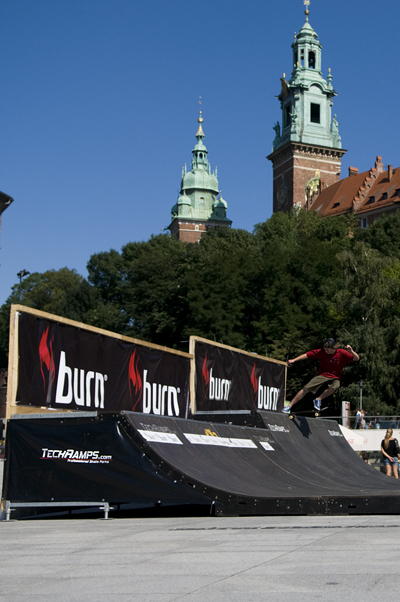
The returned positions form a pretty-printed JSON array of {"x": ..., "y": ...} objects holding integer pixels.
[
  {"x": 284, "y": 75},
  {"x": 200, "y": 119},
  {"x": 306, "y": 4},
  {"x": 200, "y": 130}
]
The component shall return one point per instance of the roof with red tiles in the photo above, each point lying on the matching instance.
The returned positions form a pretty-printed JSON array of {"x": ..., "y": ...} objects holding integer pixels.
[{"x": 362, "y": 193}]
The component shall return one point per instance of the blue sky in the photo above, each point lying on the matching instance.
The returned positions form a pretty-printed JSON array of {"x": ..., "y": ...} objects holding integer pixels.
[{"x": 99, "y": 107}]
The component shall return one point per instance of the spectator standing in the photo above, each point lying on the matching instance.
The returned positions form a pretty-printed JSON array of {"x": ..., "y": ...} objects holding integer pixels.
[
  {"x": 390, "y": 452},
  {"x": 378, "y": 420}
]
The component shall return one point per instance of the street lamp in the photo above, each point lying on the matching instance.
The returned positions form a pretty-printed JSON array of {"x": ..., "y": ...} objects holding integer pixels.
[{"x": 21, "y": 275}]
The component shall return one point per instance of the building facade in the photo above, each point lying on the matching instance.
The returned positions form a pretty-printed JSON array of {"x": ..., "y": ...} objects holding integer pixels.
[
  {"x": 198, "y": 207},
  {"x": 307, "y": 150}
]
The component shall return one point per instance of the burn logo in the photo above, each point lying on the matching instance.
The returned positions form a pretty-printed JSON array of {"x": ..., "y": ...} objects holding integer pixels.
[
  {"x": 78, "y": 386},
  {"x": 267, "y": 397},
  {"x": 158, "y": 399},
  {"x": 135, "y": 381},
  {"x": 214, "y": 387},
  {"x": 47, "y": 367}
]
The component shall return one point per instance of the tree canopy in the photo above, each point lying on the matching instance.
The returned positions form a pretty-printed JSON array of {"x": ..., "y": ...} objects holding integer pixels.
[{"x": 277, "y": 291}]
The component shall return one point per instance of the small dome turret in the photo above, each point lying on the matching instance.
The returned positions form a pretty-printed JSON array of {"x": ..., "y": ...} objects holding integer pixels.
[{"x": 220, "y": 206}]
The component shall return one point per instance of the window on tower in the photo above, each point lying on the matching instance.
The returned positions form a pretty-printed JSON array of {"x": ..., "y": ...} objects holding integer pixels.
[
  {"x": 302, "y": 56},
  {"x": 287, "y": 115},
  {"x": 315, "y": 116},
  {"x": 311, "y": 59}
]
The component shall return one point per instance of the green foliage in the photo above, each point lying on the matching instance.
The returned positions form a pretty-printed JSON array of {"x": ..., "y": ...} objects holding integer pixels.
[{"x": 277, "y": 291}]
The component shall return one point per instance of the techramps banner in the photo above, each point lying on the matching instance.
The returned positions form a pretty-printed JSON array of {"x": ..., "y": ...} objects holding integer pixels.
[{"x": 275, "y": 466}]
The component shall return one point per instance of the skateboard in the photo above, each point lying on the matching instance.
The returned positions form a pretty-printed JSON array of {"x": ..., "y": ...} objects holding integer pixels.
[{"x": 316, "y": 413}]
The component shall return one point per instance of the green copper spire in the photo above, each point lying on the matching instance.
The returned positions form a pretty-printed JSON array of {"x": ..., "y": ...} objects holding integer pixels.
[
  {"x": 307, "y": 98},
  {"x": 199, "y": 187}
]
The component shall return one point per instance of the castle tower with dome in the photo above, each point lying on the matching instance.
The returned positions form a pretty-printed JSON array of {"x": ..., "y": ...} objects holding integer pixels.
[
  {"x": 198, "y": 207},
  {"x": 307, "y": 150}
]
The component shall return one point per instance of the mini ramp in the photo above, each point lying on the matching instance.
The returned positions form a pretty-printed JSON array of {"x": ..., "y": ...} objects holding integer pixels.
[{"x": 279, "y": 466}]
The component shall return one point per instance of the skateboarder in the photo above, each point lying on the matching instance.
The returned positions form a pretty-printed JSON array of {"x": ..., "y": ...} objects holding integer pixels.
[{"x": 332, "y": 361}]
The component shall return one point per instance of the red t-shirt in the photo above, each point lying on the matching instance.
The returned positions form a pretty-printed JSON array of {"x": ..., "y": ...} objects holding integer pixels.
[{"x": 331, "y": 365}]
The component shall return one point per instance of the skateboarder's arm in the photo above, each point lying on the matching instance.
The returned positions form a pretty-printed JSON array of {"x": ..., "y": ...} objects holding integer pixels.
[
  {"x": 303, "y": 356},
  {"x": 355, "y": 355}
]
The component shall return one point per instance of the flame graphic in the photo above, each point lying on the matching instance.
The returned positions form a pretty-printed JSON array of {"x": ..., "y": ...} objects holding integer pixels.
[
  {"x": 253, "y": 380},
  {"x": 46, "y": 358},
  {"x": 135, "y": 382},
  {"x": 205, "y": 372}
]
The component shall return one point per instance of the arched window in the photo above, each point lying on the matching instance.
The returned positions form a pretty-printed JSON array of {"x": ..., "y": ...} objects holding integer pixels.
[{"x": 311, "y": 59}]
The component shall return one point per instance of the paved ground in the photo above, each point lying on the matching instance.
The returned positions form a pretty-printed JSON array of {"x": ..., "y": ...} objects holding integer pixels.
[{"x": 200, "y": 559}]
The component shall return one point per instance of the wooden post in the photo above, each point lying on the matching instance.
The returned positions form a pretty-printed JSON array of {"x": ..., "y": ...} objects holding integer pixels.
[
  {"x": 13, "y": 357},
  {"x": 192, "y": 342}
]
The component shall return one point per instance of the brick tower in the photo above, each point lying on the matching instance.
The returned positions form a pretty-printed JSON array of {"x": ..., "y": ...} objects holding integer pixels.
[
  {"x": 307, "y": 150},
  {"x": 198, "y": 208}
]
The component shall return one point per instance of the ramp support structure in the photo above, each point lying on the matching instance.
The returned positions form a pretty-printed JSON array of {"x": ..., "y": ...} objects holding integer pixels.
[{"x": 10, "y": 506}]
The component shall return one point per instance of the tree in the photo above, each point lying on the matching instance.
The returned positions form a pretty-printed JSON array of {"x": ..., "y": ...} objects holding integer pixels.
[
  {"x": 368, "y": 301},
  {"x": 61, "y": 292},
  {"x": 298, "y": 276}
]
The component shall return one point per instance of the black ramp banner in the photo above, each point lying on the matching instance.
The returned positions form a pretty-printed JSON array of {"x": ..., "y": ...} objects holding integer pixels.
[
  {"x": 65, "y": 367},
  {"x": 231, "y": 380}
]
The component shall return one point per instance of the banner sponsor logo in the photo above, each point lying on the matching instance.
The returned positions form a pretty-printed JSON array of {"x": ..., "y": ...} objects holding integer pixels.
[
  {"x": 157, "y": 437},
  {"x": 135, "y": 382},
  {"x": 335, "y": 434},
  {"x": 267, "y": 398},
  {"x": 46, "y": 360},
  {"x": 218, "y": 388},
  {"x": 75, "y": 456},
  {"x": 219, "y": 441},
  {"x": 276, "y": 428},
  {"x": 267, "y": 446},
  {"x": 78, "y": 386},
  {"x": 160, "y": 399}
]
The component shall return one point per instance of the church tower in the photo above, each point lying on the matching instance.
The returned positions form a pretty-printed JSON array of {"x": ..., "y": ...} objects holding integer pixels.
[
  {"x": 307, "y": 150},
  {"x": 198, "y": 208}
]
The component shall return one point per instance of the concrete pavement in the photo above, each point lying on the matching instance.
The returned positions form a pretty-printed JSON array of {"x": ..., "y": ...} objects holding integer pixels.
[{"x": 200, "y": 559}]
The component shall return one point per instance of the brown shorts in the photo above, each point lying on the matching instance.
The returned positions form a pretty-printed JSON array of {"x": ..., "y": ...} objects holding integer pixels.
[{"x": 317, "y": 382}]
